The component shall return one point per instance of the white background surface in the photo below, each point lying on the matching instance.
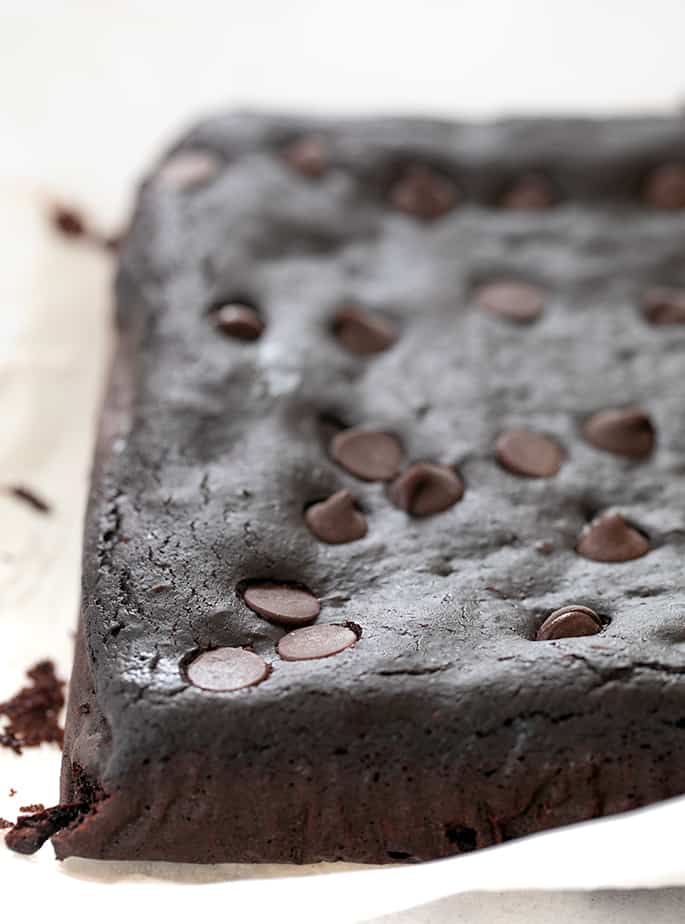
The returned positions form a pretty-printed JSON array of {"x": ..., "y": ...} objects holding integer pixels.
[{"x": 89, "y": 92}]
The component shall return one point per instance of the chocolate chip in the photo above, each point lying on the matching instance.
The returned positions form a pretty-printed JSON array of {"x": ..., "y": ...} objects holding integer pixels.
[
  {"x": 426, "y": 488},
  {"x": 336, "y": 519},
  {"x": 515, "y": 301},
  {"x": 226, "y": 669},
  {"x": 362, "y": 332},
  {"x": 569, "y": 622},
  {"x": 665, "y": 187},
  {"x": 315, "y": 642},
  {"x": 610, "y": 538},
  {"x": 664, "y": 306},
  {"x": 308, "y": 156},
  {"x": 423, "y": 192},
  {"x": 526, "y": 453},
  {"x": 68, "y": 221},
  {"x": 532, "y": 192},
  {"x": 188, "y": 169},
  {"x": 623, "y": 431},
  {"x": 368, "y": 454},
  {"x": 238, "y": 321},
  {"x": 283, "y": 604}
]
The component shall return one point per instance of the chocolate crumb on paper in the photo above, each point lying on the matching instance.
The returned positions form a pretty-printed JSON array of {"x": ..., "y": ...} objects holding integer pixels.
[
  {"x": 30, "y": 497},
  {"x": 4, "y": 824},
  {"x": 32, "y": 714},
  {"x": 33, "y": 808},
  {"x": 70, "y": 222}
]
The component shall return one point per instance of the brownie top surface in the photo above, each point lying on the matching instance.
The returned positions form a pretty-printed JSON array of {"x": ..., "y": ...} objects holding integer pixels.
[{"x": 236, "y": 420}]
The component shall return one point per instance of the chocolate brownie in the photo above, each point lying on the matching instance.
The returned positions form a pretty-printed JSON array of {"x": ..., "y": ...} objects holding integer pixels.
[{"x": 383, "y": 558}]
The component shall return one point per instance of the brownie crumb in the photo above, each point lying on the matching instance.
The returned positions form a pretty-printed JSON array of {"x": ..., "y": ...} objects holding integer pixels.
[
  {"x": 31, "y": 831},
  {"x": 68, "y": 221},
  {"x": 71, "y": 223},
  {"x": 4, "y": 824},
  {"x": 33, "y": 808},
  {"x": 33, "y": 713},
  {"x": 12, "y": 792},
  {"x": 30, "y": 497}
]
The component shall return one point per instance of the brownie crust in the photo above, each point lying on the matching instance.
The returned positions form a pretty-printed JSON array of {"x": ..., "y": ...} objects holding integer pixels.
[{"x": 448, "y": 725}]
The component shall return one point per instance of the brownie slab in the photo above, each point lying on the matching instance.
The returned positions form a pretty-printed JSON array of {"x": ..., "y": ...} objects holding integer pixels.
[{"x": 383, "y": 557}]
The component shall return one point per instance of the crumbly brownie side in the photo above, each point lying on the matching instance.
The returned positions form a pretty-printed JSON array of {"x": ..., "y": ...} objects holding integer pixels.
[{"x": 309, "y": 311}]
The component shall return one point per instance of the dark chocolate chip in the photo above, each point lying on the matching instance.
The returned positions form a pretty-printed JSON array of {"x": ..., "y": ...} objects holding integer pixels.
[
  {"x": 368, "y": 454},
  {"x": 189, "y": 169},
  {"x": 622, "y": 431},
  {"x": 315, "y": 642},
  {"x": 238, "y": 321},
  {"x": 526, "y": 453},
  {"x": 362, "y": 332},
  {"x": 569, "y": 622},
  {"x": 426, "y": 488},
  {"x": 531, "y": 192},
  {"x": 68, "y": 221},
  {"x": 308, "y": 156},
  {"x": 226, "y": 669},
  {"x": 664, "y": 306},
  {"x": 423, "y": 192},
  {"x": 609, "y": 538},
  {"x": 665, "y": 187},
  {"x": 515, "y": 301},
  {"x": 336, "y": 519},
  {"x": 284, "y": 604}
]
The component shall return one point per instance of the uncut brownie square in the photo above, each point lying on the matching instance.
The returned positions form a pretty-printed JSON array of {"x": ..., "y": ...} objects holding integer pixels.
[{"x": 383, "y": 557}]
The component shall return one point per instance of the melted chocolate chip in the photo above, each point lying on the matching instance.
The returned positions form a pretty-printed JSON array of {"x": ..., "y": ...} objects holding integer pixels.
[
  {"x": 283, "y": 604},
  {"x": 569, "y": 622},
  {"x": 609, "y": 538},
  {"x": 624, "y": 432},
  {"x": 665, "y": 187},
  {"x": 520, "y": 302},
  {"x": 315, "y": 642},
  {"x": 307, "y": 156},
  {"x": 531, "y": 192},
  {"x": 368, "y": 454},
  {"x": 238, "y": 321},
  {"x": 422, "y": 192},
  {"x": 362, "y": 332},
  {"x": 664, "y": 306},
  {"x": 337, "y": 519},
  {"x": 425, "y": 489},
  {"x": 226, "y": 669},
  {"x": 526, "y": 453},
  {"x": 189, "y": 169}
]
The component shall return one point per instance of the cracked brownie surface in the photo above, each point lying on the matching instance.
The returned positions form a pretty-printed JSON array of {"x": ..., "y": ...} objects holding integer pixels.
[{"x": 357, "y": 363}]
